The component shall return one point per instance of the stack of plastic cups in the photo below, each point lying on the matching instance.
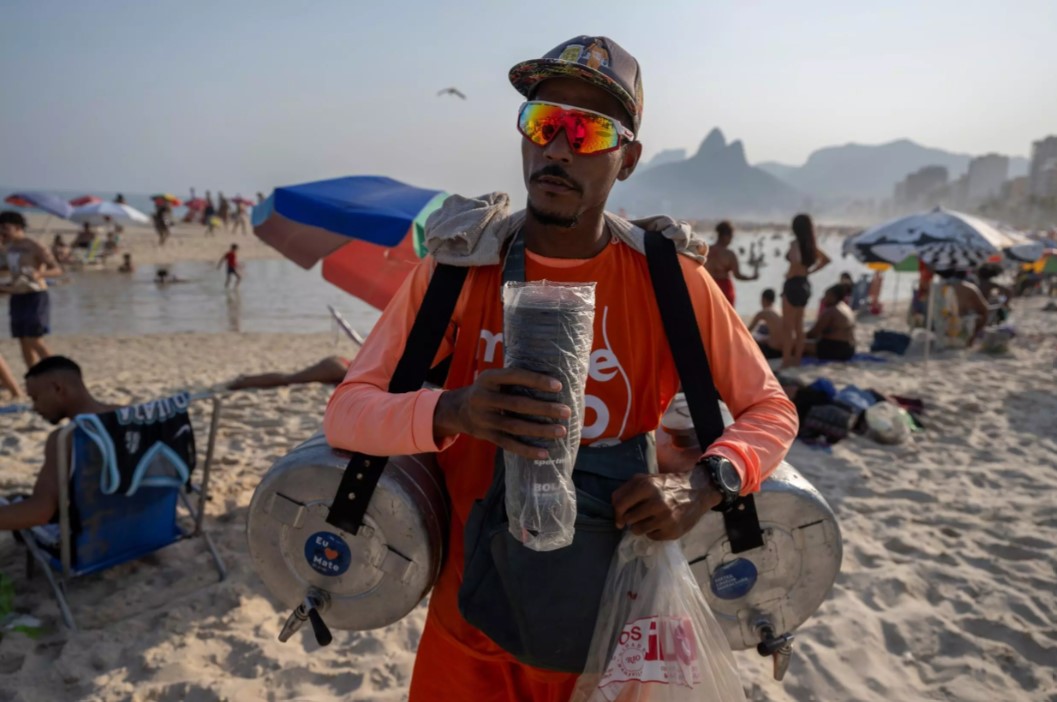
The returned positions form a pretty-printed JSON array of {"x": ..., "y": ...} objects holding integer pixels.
[{"x": 548, "y": 328}]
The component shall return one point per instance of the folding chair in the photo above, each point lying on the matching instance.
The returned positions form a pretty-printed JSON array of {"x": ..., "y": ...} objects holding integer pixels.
[{"x": 97, "y": 531}]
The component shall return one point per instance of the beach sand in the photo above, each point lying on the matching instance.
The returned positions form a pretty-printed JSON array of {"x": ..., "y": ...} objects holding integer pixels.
[{"x": 948, "y": 589}]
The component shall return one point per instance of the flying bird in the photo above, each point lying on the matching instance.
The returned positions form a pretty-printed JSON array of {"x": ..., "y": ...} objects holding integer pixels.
[{"x": 452, "y": 91}]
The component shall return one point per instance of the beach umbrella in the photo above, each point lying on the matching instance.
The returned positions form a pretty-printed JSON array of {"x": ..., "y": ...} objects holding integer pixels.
[
  {"x": 196, "y": 205},
  {"x": 99, "y": 212},
  {"x": 85, "y": 200},
  {"x": 169, "y": 198},
  {"x": 1047, "y": 263},
  {"x": 51, "y": 204},
  {"x": 940, "y": 238},
  {"x": 367, "y": 230}
]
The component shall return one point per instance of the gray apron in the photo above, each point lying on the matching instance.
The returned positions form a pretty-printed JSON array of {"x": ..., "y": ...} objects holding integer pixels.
[{"x": 541, "y": 606}]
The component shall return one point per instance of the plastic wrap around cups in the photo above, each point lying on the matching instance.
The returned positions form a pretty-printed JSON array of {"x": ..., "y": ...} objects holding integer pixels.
[{"x": 548, "y": 328}]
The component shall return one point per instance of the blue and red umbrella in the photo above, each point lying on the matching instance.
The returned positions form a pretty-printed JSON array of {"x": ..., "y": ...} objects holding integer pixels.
[
  {"x": 42, "y": 201},
  {"x": 367, "y": 230}
]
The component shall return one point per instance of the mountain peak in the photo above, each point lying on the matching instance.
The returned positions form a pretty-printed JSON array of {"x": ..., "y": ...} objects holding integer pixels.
[{"x": 714, "y": 143}]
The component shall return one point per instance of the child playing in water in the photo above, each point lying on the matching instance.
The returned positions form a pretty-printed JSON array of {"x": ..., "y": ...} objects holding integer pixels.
[{"x": 231, "y": 258}]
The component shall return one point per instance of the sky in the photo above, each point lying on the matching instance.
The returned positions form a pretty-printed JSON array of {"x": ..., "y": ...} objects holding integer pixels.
[{"x": 240, "y": 96}]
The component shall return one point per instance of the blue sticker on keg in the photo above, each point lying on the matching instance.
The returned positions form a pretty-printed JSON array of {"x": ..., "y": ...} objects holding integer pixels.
[
  {"x": 734, "y": 580},
  {"x": 327, "y": 553}
]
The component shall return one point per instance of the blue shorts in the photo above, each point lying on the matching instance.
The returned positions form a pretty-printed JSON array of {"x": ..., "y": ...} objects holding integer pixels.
[{"x": 30, "y": 315}]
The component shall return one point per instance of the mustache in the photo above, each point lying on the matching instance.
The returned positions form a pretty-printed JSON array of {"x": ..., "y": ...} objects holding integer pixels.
[{"x": 555, "y": 171}]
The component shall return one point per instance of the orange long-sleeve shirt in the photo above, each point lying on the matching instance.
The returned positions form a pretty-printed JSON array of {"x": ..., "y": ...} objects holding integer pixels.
[{"x": 632, "y": 379}]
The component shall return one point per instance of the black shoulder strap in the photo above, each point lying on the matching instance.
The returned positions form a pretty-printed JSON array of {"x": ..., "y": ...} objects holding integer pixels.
[
  {"x": 691, "y": 361},
  {"x": 363, "y": 472}
]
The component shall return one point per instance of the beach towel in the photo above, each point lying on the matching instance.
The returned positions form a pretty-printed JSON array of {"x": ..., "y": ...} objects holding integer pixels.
[
  {"x": 146, "y": 445},
  {"x": 857, "y": 358}
]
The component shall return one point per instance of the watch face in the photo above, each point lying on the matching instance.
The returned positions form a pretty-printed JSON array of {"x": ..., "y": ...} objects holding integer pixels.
[{"x": 728, "y": 477}]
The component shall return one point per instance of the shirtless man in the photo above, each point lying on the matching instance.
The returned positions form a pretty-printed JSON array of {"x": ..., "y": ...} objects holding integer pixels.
[
  {"x": 30, "y": 264},
  {"x": 832, "y": 338},
  {"x": 57, "y": 389},
  {"x": 972, "y": 305},
  {"x": 722, "y": 263},
  {"x": 772, "y": 344}
]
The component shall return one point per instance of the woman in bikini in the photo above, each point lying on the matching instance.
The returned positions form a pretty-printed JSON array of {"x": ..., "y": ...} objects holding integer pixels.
[{"x": 804, "y": 258}]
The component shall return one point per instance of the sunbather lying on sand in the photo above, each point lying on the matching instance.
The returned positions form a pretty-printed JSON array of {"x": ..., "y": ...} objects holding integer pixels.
[{"x": 330, "y": 370}]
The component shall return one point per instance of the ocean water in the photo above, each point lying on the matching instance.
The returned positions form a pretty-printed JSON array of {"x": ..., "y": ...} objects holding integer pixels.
[
  {"x": 278, "y": 296},
  {"x": 275, "y": 296}
]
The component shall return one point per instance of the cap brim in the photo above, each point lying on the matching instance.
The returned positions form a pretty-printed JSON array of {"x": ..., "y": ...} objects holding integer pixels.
[{"x": 528, "y": 74}]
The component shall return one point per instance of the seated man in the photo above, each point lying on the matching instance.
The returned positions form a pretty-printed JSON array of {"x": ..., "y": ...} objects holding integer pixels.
[
  {"x": 58, "y": 392},
  {"x": 85, "y": 238},
  {"x": 771, "y": 343},
  {"x": 832, "y": 338},
  {"x": 969, "y": 306},
  {"x": 989, "y": 287}
]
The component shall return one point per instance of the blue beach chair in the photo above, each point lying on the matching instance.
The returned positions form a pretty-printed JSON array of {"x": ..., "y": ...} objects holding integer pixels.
[{"x": 106, "y": 519}]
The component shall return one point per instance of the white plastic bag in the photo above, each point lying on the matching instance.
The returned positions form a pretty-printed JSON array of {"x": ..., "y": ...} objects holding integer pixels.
[{"x": 656, "y": 639}]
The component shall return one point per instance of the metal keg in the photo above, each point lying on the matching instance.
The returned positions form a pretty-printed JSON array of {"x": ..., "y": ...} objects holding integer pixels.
[
  {"x": 762, "y": 595},
  {"x": 363, "y": 581},
  {"x": 779, "y": 585}
]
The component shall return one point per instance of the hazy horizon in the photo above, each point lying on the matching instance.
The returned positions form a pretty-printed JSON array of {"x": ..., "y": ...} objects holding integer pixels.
[{"x": 125, "y": 96}]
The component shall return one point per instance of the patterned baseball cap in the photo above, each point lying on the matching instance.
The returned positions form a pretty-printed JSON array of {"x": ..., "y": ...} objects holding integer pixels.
[{"x": 597, "y": 60}]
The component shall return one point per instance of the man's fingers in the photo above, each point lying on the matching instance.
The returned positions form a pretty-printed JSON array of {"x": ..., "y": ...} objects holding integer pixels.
[
  {"x": 630, "y": 495},
  {"x": 644, "y": 515},
  {"x": 519, "y": 376},
  {"x": 523, "y": 427},
  {"x": 511, "y": 445},
  {"x": 519, "y": 404}
]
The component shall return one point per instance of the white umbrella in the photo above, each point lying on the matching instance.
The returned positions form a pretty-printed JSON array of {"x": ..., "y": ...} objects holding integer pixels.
[
  {"x": 97, "y": 213},
  {"x": 952, "y": 239}
]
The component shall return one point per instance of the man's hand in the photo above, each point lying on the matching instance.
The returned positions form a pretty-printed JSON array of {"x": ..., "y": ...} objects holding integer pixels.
[
  {"x": 483, "y": 410},
  {"x": 665, "y": 506}
]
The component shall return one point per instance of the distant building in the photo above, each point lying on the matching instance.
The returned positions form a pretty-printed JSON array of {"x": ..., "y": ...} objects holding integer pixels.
[
  {"x": 1015, "y": 191},
  {"x": 985, "y": 177},
  {"x": 1042, "y": 176},
  {"x": 919, "y": 188}
]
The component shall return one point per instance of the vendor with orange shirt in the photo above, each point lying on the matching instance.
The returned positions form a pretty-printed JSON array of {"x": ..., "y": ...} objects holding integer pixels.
[{"x": 578, "y": 126}]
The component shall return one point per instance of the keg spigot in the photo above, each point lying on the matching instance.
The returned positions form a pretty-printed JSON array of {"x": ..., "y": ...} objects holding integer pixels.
[
  {"x": 315, "y": 602},
  {"x": 779, "y": 648}
]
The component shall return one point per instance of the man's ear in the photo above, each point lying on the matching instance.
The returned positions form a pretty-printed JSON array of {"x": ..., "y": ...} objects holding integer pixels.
[{"x": 630, "y": 155}]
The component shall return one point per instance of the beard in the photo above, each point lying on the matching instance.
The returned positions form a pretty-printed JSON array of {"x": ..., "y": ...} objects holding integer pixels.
[{"x": 551, "y": 219}]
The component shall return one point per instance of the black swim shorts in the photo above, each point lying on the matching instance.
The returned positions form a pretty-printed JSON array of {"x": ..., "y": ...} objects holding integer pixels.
[{"x": 30, "y": 315}]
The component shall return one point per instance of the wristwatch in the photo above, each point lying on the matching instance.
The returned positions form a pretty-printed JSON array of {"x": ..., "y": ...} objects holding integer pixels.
[{"x": 725, "y": 478}]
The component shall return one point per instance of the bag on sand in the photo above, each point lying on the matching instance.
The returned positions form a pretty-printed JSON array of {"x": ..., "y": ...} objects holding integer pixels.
[{"x": 656, "y": 639}]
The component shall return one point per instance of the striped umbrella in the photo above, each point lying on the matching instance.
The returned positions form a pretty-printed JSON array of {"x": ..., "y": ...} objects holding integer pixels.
[{"x": 367, "y": 230}]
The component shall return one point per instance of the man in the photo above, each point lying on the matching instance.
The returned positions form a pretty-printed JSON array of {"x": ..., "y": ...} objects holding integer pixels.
[
  {"x": 57, "y": 389},
  {"x": 723, "y": 264},
  {"x": 30, "y": 264},
  {"x": 832, "y": 338},
  {"x": 770, "y": 345},
  {"x": 232, "y": 261},
  {"x": 970, "y": 306},
  {"x": 578, "y": 128}
]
